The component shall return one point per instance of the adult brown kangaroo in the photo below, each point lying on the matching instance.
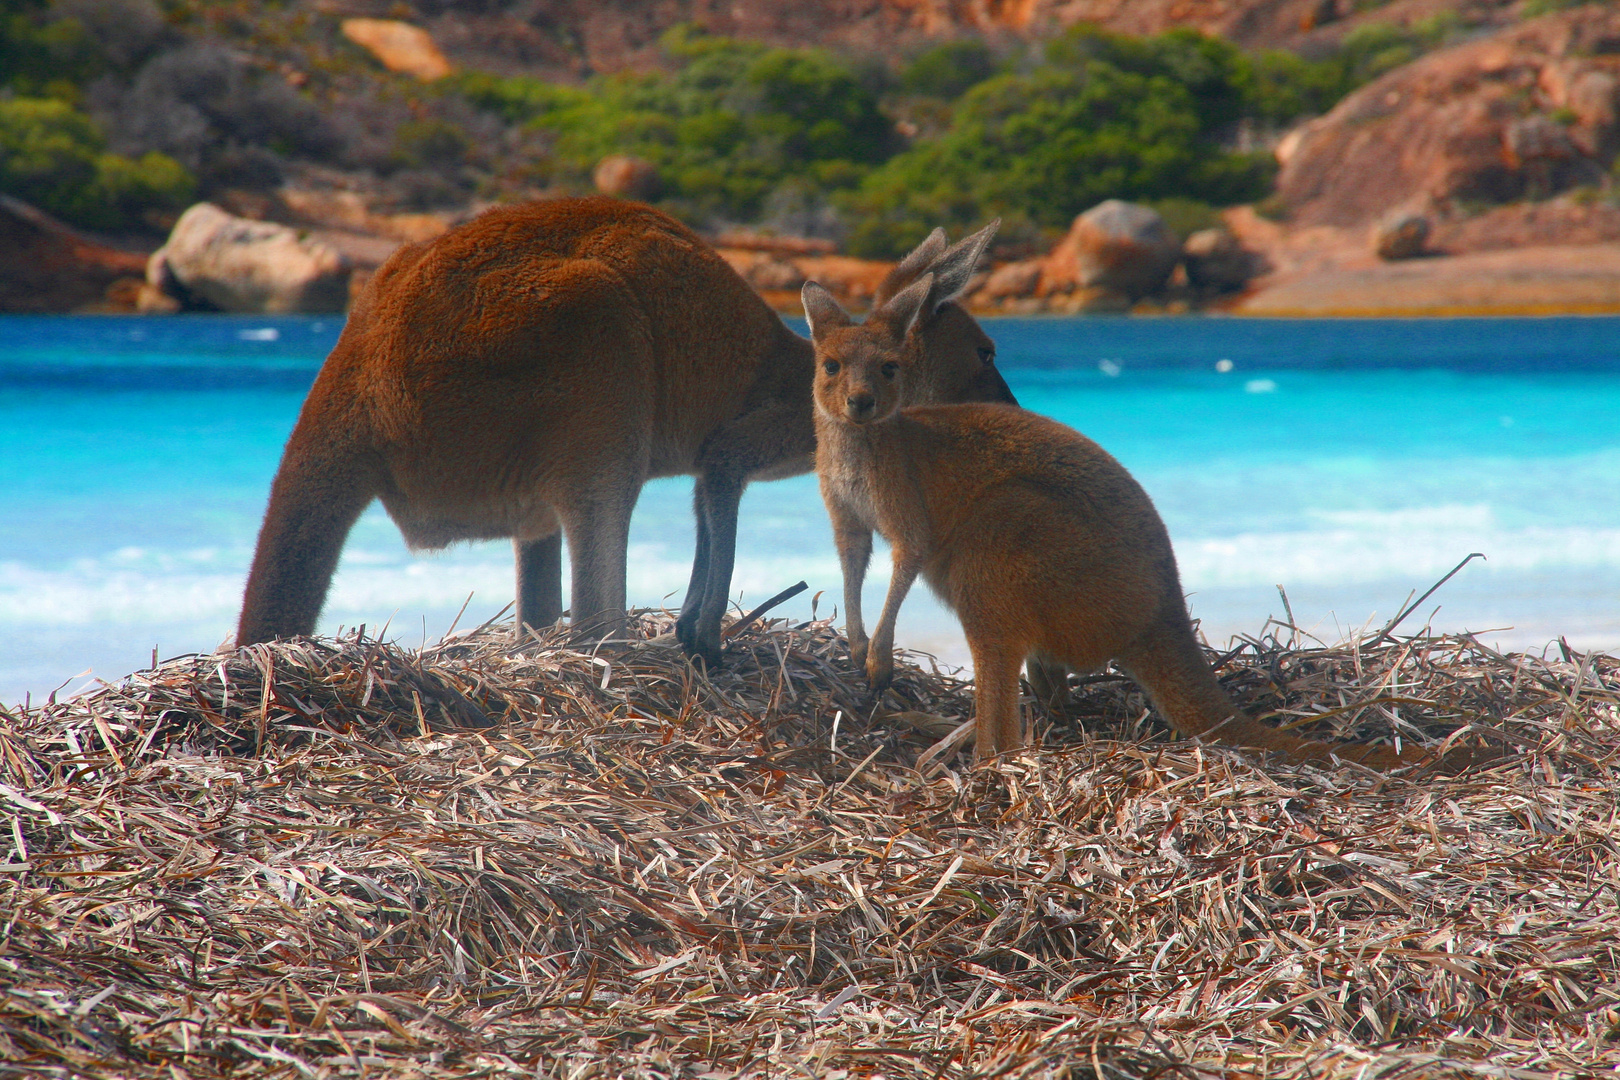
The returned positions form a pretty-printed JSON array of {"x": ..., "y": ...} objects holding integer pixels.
[
  {"x": 1039, "y": 540},
  {"x": 532, "y": 369}
]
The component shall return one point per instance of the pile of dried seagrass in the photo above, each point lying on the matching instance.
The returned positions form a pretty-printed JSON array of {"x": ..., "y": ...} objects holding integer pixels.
[{"x": 335, "y": 858}]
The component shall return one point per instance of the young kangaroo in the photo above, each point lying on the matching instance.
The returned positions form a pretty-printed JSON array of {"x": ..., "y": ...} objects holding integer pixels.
[
  {"x": 531, "y": 370},
  {"x": 1039, "y": 540}
]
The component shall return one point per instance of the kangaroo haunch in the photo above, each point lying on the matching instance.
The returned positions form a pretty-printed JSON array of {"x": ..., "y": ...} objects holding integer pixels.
[{"x": 531, "y": 370}]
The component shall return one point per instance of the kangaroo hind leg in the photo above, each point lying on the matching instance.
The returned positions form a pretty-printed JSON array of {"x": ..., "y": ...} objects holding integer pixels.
[
  {"x": 598, "y": 527},
  {"x": 995, "y": 696},
  {"x": 1049, "y": 682},
  {"x": 539, "y": 582}
]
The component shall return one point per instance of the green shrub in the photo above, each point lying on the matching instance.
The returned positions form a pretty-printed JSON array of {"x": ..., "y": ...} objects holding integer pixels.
[
  {"x": 1533, "y": 8},
  {"x": 731, "y": 123},
  {"x": 946, "y": 71},
  {"x": 1105, "y": 117},
  {"x": 44, "y": 58},
  {"x": 1101, "y": 116},
  {"x": 52, "y": 156},
  {"x": 431, "y": 142},
  {"x": 1186, "y": 216}
]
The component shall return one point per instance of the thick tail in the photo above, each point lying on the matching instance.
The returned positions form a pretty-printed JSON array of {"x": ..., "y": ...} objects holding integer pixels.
[
  {"x": 319, "y": 492},
  {"x": 1170, "y": 666}
]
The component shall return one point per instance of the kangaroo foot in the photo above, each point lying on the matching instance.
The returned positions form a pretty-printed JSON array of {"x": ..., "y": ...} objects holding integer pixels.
[
  {"x": 879, "y": 669},
  {"x": 686, "y": 630}
]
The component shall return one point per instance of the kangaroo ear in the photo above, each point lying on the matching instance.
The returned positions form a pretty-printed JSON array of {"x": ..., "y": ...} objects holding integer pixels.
[
  {"x": 821, "y": 311},
  {"x": 901, "y": 310},
  {"x": 954, "y": 269},
  {"x": 921, "y": 258}
]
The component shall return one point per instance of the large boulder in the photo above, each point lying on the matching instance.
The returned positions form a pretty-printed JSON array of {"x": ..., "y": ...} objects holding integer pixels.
[
  {"x": 1217, "y": 261},
  {"x": 1118, "y": 247},
  {"x": 1014, "y": 281},
  {"x": 213, "y": 259},
  {"x": 1401, "y": 236},
  {"x": 1527, "y": 112},
  {"x": 399, "y": 46},
  {"x": 627, "y": 177}
]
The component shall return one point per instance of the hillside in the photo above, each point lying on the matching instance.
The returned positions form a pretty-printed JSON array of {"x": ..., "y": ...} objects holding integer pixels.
[
  {"x": 563, "y": 39},
  {"x": 855, "y": 125}
]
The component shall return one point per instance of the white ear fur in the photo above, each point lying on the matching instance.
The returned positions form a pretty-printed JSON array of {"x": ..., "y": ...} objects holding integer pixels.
[
  {"x": 954, "y": 269},
  {"x": 821, "y": 311},
  {"x": 903, "y": 308}
]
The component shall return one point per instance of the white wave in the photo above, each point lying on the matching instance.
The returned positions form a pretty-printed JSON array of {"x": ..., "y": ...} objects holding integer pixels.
[
  {"x": 133, "y": 586},
  {"x": 1357, "y": 546},
  {"x": 102, "y": 592}
]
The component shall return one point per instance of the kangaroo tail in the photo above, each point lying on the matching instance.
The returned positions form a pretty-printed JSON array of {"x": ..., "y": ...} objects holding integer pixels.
[
  {"x": 1170, "y": 666},
  {"x": 319, "y": 492}
]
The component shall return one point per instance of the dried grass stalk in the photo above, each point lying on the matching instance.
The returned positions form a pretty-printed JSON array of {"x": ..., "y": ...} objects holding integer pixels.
[{"x": 332, "y": 858}]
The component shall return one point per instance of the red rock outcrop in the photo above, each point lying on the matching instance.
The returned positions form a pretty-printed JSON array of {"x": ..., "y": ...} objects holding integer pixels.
[
  {"x": 45, "y": 266},
  {"x": 627, "y": 176},
  {"x": 1527, "y": 112},
  {"x": 575, "y": 38}
]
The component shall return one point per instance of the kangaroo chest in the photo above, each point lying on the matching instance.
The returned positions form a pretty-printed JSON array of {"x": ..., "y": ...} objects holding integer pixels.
[
  {"x": 853, "y": 490},
  {"x": 875, "y": 488}
]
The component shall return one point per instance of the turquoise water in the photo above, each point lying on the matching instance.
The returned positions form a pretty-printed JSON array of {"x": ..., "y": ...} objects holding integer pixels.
[{"x": 1349, "y": 461}]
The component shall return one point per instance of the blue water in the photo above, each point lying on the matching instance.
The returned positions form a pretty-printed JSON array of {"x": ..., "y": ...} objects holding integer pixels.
[{"x": 1351, "y": 461}]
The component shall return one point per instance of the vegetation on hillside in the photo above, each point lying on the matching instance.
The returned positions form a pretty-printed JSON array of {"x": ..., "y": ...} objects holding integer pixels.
[
  {"x": 51, "y": 152},
  {"x": 114, "y": 113},
  {"x": 731, "y": 124},
  {"x": 798, "y": 137}
]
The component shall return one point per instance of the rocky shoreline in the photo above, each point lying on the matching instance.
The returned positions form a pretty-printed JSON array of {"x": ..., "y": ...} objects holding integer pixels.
[{"x": 1249, "y": 267}]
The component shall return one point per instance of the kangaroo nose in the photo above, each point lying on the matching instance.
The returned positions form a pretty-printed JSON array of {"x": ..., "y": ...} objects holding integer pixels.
[{"x": 861, "y": 404}]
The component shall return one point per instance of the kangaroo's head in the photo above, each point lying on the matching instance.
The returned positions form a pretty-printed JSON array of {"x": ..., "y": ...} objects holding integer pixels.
[
  {"x": 918, "y": 346},
  {"x": 863, "y": 370},
  {"x": 957, "y": 358}
]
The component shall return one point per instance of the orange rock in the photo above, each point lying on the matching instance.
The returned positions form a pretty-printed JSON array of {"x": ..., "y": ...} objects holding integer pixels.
[
  {"x": 764, "y": 271},
  {"x": 399, "y": 46},
  {"x": 1527, "y": 112},
  {"x": 1117, "y": 247},
  {"x": 46, "y": 266},
  {"x": 627, "y": 177},
  {"x": 852, "y": 281}
]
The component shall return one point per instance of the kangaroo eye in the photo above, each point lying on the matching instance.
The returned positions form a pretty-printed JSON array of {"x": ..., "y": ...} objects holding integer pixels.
[
  {"x": 830, "y": 367},
  {"x": 890, "y": 369},
  {"x": 987, "y": 355}
]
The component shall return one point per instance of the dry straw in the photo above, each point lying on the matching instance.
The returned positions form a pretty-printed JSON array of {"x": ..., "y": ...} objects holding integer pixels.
[{"x": 336, "y": 858}]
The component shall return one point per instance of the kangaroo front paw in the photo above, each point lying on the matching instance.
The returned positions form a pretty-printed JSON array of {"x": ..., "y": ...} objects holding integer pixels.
[{"x": 857, "y": 652}]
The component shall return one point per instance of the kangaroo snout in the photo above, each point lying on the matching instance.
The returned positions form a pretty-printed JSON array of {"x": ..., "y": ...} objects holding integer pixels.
[{"x": 860, "y": 406}]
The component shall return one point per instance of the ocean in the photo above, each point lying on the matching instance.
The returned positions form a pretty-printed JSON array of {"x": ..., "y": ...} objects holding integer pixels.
[{"x": 1350, "y": 462}]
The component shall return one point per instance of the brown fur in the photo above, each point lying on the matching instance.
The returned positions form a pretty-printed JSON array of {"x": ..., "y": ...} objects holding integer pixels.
[
  {"x": 1039, "y": 540},
  {"x": 531, "y": 370}
]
